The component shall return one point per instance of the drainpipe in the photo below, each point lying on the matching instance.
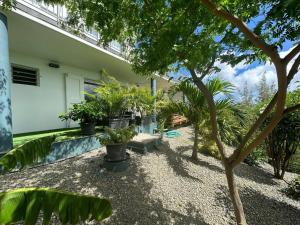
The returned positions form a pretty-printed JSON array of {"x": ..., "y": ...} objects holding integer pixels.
[
  {"x": 153, "y": 86},
  {"x": 6, "y": 141},
  {"x": 153, "y": 93}
]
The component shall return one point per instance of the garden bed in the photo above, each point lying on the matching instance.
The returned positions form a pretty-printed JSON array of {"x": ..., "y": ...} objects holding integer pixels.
[
  {"x": 68, "y": 143},
  {"x": 167, "y": 187}
]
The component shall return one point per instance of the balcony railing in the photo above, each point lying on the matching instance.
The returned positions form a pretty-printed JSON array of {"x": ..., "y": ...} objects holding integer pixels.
[{"x": 57, "y": 15}]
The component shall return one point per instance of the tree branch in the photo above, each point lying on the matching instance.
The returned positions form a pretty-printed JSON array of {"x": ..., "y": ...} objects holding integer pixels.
[
  {"x": 294, "y": 69},
  {"x": 212, "y": 111},
  {"x": 242, "y": 153},
  {"x": 252, "y": 37},
  {"x": 291, "y": 109},
  {"x": 266, "y": 111},
  {"x": 291, "y": 54},
  {"x": 209, "y": 67}
]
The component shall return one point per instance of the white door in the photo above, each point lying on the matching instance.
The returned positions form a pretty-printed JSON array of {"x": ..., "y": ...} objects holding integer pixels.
[{"x": 74, "y": 93}]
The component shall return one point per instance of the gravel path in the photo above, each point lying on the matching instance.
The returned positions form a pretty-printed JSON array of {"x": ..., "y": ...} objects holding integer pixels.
[{"x": 165, "y": 187}]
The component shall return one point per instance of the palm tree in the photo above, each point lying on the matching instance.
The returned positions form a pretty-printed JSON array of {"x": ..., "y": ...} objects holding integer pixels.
[{"x": 195, "y": 108}]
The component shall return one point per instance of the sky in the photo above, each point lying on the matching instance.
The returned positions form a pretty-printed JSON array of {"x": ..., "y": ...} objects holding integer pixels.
[{"x": 250, "y": 74}]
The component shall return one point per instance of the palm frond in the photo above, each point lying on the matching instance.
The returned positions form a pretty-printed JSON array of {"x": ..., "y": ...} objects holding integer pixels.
[
  {"x": 217, "y": 86},
  {"x": 222, "y": 104},
  {"x": 27, "y": 204},
  {"x": 27, "y": 154}
]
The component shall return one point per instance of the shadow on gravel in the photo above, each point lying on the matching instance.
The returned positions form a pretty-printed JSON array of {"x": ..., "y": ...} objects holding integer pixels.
[
  {"x": 128, "y": 192},
  {"x": 255, "y": 173},
  {"x": 176, "y": 160},
  {"x": 260, "y": 209},
  {"x": 183, "y": 149}
]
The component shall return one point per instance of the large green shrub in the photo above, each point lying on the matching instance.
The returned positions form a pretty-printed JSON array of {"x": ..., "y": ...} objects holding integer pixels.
[
  {"x": 293, "y": 189},
  {"x": 294, "y": 164},
  {"x": 283, "y": 142},
  {"x": 255, "y": 157}
]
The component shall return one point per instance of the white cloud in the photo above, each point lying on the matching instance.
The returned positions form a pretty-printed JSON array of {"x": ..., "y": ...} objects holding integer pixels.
[{"x": 252, "y": 76}]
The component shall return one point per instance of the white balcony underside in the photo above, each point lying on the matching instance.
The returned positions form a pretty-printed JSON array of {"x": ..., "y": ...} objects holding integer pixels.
[
  {"x": 31, "y": 36},
  {"x": 34, "y": 43}
]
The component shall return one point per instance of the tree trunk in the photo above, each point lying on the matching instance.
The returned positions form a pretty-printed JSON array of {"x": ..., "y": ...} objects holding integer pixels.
[
  {"x": 196, "y": 143},
  {"x": 285, "y": 164},
  {"x": 233, "y": 190},
  {"x": 235, "y": 197}
]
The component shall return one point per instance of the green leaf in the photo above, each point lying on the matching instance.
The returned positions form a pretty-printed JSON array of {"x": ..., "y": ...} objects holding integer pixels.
[
  {"x": 26, "y": 204},
  {"x": 27, "y": 154}
]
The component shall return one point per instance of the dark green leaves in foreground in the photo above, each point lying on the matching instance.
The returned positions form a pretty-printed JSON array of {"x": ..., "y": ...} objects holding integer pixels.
[
  {"x": 26, "y": 205},
  {"x": 26, "y": 154}
]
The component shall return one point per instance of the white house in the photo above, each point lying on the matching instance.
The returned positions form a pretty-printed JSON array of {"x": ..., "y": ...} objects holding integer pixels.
[{"x": 44, "y": 68}]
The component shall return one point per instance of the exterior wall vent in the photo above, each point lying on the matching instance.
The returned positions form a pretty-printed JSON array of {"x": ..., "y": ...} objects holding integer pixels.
[{"x": 25, "y": 75}]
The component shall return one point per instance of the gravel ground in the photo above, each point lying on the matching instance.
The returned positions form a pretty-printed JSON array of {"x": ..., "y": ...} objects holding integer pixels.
[{"x": 165, "y": 187}]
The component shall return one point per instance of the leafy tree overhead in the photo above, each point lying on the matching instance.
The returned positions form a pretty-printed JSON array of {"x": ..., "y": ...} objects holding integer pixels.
[{"x": 168, "y": 35}]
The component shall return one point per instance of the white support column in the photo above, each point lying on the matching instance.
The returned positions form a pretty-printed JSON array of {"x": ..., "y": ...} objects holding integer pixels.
[{"x": 5, "y": 87}]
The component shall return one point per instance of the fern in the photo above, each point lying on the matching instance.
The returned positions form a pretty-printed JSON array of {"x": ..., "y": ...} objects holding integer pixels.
[
  {"x": 26, "y": 204},
  {"x": 26, "y": 154}
]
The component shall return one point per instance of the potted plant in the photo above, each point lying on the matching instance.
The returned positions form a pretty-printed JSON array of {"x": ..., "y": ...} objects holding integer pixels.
[
  {"x": 148, "y": 103},
  {"x": 86, "y": 113},
  {"x": 116, "y": 141},
  {"x": 114, "y": 100}
]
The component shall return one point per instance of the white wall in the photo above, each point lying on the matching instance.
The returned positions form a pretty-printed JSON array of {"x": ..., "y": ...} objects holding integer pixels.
[{"x": 36, "y": 108}]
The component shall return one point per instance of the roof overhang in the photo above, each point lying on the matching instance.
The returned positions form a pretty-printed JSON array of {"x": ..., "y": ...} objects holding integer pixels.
[{"x": 32, "y": 36}]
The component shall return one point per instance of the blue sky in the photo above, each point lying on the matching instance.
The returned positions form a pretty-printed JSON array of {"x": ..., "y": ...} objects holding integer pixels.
[{"x": 249, "y": 74}]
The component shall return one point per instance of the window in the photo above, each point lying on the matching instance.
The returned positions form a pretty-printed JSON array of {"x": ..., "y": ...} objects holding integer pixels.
[
  {"x": 89, "y": 86},
  {"x": 25, "y": 75}
]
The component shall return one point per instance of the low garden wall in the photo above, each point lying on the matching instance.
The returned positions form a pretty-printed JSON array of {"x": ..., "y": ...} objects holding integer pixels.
[{"x": 72, "y": 147}]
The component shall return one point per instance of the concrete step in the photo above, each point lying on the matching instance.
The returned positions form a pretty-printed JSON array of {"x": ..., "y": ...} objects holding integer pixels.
[{"x": 143, "y": 143}]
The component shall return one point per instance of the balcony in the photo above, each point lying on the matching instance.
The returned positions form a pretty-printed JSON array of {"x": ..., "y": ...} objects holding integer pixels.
[{"x": 56, "y": 15}]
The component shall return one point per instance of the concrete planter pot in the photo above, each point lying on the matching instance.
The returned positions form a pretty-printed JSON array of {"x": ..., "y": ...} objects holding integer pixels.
[
  {"x": 116, "y": 159},
  {"x": 119, "y": 123},
  {"x": 88, "y": 128},
  {"x": 148, "y": 124},
  {"x": 117, "y": 166},
  {"x": 116, "y": 152}
]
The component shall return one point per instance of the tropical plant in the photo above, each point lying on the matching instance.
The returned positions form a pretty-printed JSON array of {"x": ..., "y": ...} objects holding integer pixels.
[
  {"x": 293, "y": 189},
  {"x": 24, "y": 155},
  {"x": 113, "y": 98},
  {"x": 195, "y": 107},
  {"x": 294, "y": 164},
  {"x": 26, "y": 204},
  {"x": 118, "y": 135},
  {"x": 84, "y": 112},
  {"x": 283, "y": 142},
  {"x": 254, "y": 158},
  {"x": 143, "y": 99}
]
